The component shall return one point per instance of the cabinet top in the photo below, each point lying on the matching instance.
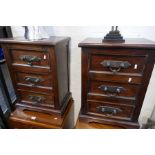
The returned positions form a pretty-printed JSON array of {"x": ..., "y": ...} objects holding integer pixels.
[
  {"x": 48, "y": 41},
  {"x": 129, "y": 43}
]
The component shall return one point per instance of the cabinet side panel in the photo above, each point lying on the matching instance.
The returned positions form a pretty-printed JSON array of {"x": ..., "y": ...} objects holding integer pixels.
[
  {"x": 145, "y": 82},
  {"x": 85, "y": 79},
  {"x": 62, "y": 58}
]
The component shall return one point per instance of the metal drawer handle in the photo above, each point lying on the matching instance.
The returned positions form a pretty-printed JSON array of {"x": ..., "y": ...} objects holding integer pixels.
[
  {"x": 115, "y": 66},
  {"x": 33, "y": 80},
  {"x": 111, "y": 91},
  {"x": 109, "y": 110},
  {"x": 36, "y": 99},
  {"x": 30, "y": 59}
]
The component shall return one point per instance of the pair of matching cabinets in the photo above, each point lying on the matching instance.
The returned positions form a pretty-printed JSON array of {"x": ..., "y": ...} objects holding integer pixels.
[{"x": 115, "y": 77}]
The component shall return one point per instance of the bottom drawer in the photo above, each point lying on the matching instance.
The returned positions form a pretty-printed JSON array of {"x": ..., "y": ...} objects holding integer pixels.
[
  {"x": 36, "y": 98},
  {"x": 110, "y": 110}
]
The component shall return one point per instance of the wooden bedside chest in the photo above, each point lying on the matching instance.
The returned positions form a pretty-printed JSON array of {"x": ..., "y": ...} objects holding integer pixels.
[
  {"x": 40, "y": 73},
  {"x": 115, "y": 77}
]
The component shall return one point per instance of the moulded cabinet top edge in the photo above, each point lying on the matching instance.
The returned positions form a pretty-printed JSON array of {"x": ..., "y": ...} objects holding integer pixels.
[
  {"x": 52, "y": 41},
  {"x": 129, "y": 43}
]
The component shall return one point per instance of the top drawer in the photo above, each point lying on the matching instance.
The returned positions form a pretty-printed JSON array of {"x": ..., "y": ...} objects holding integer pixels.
[
  {"x": 117, "y": 63},
  {"x": 30, "y": 57}
]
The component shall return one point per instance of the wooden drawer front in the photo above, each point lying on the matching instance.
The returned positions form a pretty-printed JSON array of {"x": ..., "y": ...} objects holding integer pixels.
[
  {"x": 113, "y": 100},
  {"x": 130, "y": 79},
  {"x": 34, "y": 80},
  {"x": 29, "y": 58},
  {"x": 110, "y": 89},
  {"x": 118, "y": 64},
  {"x": 110, "y": 110},
  {"x": 36, "y": 98}
]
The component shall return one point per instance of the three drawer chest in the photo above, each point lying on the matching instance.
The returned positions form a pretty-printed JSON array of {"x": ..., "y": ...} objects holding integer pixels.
[
  {"x": 115, "y": 77},
  {"x": 40, "y": 72}
]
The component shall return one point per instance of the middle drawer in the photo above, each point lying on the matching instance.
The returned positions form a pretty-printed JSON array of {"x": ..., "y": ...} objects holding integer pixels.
[
  {"x": 111, "y": 89},
  {"x": 30, "y": 81}
]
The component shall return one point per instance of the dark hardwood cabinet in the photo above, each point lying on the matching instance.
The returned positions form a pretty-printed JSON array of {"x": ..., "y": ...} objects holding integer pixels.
[
  {"x": 40, "y": 73},
  {"x": 115, "y": 77}
]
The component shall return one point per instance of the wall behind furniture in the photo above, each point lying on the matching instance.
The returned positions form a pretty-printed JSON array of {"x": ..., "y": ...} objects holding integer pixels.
[{"x": 79, "y": 33}]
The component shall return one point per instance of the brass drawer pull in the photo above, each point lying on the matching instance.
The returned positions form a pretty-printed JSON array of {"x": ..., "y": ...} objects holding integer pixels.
[
  {"x": 36, "y": 99},
  {"x": 33, "y": 80},
  {"x": 109, "y": 110},
  {"x": 112, "y": 91},
  {"x": 115, "y": 66},
  {"x": 30, "y": 59}
]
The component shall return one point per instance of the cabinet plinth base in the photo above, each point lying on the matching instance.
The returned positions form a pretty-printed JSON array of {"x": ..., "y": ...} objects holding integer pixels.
[
  {"x": 86, "y": 121},
  {"x": 26, "y": 119}
]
